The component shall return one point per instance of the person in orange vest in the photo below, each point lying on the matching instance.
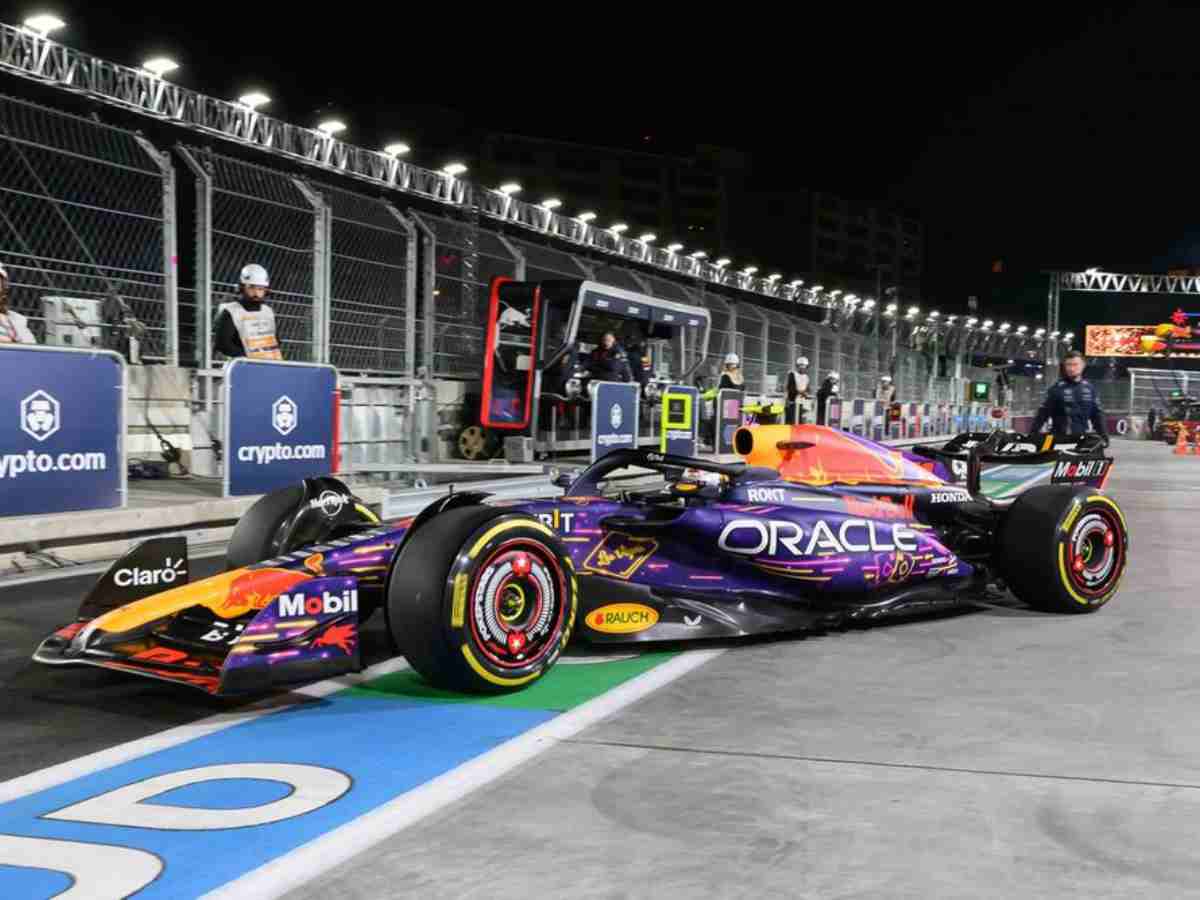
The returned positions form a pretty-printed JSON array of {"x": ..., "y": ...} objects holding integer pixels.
[
  {"x": 14, "y": 327},
  {"x": 246, "y": 326}
]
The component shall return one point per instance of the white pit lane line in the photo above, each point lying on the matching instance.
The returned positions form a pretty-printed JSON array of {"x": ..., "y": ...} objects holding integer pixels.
[
  {"x": 113, "y": 756},
  {"x": 302, "y": 865}
]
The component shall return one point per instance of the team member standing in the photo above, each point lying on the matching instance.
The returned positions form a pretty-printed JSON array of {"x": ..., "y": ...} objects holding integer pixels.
[
  {"x": 731, "y": 374},
  {"x": 14, "y": 327},
  {"x": 608, "y": 361},
  {"x": 797, "y": 391},
  {"x": 246, "y": 327},
  {"x": 828, "y": 388},
  {"x": 1071, "y": 402}
]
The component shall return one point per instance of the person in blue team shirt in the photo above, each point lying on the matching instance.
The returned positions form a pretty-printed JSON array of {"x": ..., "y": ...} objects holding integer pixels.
[{"x": 1071, "y": 402}]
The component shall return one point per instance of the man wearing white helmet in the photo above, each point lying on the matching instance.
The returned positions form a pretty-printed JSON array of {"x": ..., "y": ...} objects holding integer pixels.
[
  {"x": 14, "y": 327},
  {"x": 828, "y": 388},
  {"x": 246, "y": 326},
  {"x": 797, "y": 391},
  {"x": 885, "y": 390},
  {"x": 731, "y": 374}
]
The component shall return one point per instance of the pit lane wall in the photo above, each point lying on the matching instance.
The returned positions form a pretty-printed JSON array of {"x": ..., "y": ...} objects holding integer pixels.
[
  {"x": 75, "y": 424},
  {"x": 65, "y": 444},
  {"x": 62, "y": 430}
]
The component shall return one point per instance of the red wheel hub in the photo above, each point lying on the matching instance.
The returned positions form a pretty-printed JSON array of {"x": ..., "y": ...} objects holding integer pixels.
[
  {"x": 518, "y": 599},
  {"x": 1095, "y": 553}
]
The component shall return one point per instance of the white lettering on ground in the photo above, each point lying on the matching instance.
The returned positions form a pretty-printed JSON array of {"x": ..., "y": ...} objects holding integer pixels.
[
  {"x": 125, "y": 807},
  {"x": 98, "y": 871}
]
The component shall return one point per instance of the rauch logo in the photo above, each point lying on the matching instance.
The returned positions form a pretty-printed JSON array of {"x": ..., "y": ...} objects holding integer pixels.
[{"x": 622, "y": 618}]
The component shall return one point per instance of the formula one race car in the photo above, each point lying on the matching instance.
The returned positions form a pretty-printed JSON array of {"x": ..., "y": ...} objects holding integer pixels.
[{"x": 816, "y": 529}]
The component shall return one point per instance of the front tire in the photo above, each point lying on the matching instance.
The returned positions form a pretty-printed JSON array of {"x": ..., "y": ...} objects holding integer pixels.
[
  {"x": 482, "y": 600},
  {"x": 1063, "y": 548}
]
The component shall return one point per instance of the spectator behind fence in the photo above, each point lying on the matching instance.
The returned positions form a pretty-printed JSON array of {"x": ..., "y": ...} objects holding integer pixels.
[
  {"x": 246, "y": 327},
  {"x": 14, "y": 327}
]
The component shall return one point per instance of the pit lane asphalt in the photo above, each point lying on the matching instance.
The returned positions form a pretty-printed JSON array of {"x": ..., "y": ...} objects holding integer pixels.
[
  {"x": 52, "y": 714},
  {"x": 998, "y": 753}
]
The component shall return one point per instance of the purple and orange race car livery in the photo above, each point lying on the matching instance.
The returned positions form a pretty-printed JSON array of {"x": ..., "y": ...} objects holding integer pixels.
[{"x": 815, "y": 529}]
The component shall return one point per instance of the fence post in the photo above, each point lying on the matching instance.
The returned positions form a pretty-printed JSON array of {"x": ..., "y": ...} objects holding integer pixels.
[
  {"x": 322, "y": 250},
  {"x": 428, "y": 279},
  {"x": 203, "y": 263},
  {"x": 410, "y": 291},
  {"x": 170, "y": 249},
  {"x": 517, "y": 255}
]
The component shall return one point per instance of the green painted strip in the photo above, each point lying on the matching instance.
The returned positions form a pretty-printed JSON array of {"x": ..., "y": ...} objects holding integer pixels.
[{"x": 564, "y": 687}]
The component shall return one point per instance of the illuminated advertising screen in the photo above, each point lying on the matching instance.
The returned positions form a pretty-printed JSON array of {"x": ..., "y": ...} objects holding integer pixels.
[{"x": 1180, "y": 337}]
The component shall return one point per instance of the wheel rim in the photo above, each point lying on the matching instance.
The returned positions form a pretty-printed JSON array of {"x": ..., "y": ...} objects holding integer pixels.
[
  {"x": 471, "y": 442},
  {"x": 518, "y": 604},
  {"x": 1095, "y": 553}
]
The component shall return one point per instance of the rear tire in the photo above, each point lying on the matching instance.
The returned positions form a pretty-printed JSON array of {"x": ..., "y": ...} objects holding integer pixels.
[
  {"x": 482, "y": 600},
  {"x": 1063, "y": 548}
]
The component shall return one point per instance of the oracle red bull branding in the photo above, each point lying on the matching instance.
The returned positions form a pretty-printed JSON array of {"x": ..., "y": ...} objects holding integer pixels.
[
  {"x": 300, "y": 604},
  {"x": 769, "y": 537}
]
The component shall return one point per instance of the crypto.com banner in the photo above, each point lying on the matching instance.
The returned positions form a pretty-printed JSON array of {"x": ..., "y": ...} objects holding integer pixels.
[
  {"x": 279, "y": 424},
  {"x": 62, "y": 422}
]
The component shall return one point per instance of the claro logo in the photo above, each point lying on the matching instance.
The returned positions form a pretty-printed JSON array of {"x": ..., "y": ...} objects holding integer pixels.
[{"x": 141, "y": 577}]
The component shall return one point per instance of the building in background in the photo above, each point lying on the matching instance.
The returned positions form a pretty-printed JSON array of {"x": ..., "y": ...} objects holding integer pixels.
[
  {"x": 684, "y": 198},
  {"x": 852, "y": 239},
  {"x": 714, "y": 199}
]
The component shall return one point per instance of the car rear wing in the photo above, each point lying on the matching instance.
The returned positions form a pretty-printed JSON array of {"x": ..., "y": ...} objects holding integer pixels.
[{"x": 1077, "y": 459}]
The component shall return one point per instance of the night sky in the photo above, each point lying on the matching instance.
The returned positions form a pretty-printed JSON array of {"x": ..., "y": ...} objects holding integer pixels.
[{"x": 1043, "y": 138}]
